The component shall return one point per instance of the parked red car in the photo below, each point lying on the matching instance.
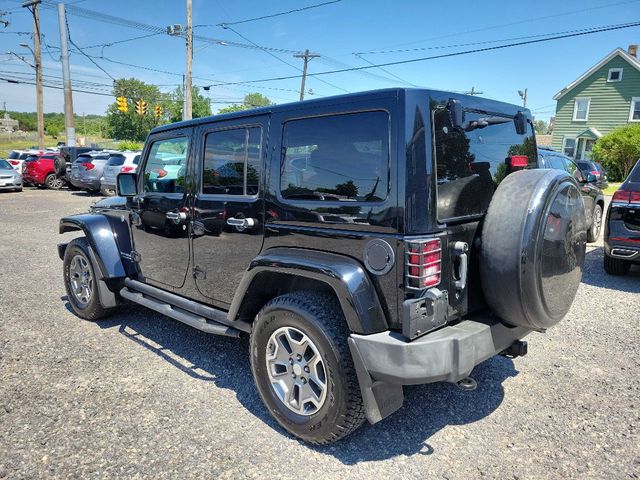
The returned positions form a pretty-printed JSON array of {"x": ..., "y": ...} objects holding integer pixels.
[{"x": 39, "y": 170}]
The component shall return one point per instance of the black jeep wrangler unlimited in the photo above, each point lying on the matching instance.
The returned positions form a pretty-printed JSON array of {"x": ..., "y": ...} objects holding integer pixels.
[{"x": 362, "y": 242}]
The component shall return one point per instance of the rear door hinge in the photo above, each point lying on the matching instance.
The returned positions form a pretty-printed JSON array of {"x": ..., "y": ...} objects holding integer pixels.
[{"x": 198, "y": 273}]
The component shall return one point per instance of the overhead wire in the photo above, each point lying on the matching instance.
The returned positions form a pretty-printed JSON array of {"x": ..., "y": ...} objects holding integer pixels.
[{"x": 273, "y": 15}]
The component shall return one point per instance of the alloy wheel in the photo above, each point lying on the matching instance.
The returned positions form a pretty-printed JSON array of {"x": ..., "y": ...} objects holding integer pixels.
[
  {"x": 296, "y": 371},
  {"x": 81, "y": 280}
]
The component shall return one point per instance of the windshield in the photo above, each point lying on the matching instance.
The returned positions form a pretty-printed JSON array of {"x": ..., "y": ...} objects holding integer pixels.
[{"x": 4, "y": 165}]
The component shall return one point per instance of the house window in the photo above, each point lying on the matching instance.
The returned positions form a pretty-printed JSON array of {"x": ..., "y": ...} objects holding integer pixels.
[
  {"x": 569, "y": 147},
  {"x": 634, "y": 114},
  {"x": 615, "y": 75},
  {"x": 581, "y": 109}
]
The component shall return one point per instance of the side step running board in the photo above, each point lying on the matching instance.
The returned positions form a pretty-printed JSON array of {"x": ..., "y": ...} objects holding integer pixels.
[{"x": 177, "y": 311}]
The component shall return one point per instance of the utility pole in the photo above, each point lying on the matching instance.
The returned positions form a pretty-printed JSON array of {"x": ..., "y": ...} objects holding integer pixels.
[
  {"x": 523, "y": 96},
  {"x": 37, "y": 58},
  {"x": 187, "y": 109},
  {"x": 66, "y": 77},
  {"x": 306, "y": 56}
]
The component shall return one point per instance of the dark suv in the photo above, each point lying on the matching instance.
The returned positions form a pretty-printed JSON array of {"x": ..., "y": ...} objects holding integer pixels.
[
  {"x": 589, "y": 187},
  {"x": 622, "y": 232},
  {"x": 362, "y": 242}
]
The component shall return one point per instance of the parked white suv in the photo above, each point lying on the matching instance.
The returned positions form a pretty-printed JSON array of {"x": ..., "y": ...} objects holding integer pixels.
[{"x": 121, "y": 162}]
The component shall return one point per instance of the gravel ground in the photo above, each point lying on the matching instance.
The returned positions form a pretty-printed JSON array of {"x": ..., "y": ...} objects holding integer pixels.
[{"x": 140, "y": 395}]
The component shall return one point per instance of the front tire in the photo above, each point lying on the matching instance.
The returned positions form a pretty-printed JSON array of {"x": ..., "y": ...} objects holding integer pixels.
[
  {"x": 616, "y": 266},
  {"x": 303, "y": 369},
  {"x": 81, "y": 282},
  {"x": 596, "y": 224}
]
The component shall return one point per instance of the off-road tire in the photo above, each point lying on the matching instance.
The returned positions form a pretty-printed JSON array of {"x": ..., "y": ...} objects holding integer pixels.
[
  {"x": 596, "y": 224},
  {"x": 319, "y": 317},
  {"x": 107, "y": 192},
  {"x": 93, "y": 310},
  {"x": 616, "y": 266}
]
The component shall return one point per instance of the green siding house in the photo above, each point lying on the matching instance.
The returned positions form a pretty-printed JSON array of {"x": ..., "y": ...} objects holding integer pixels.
[{"x": 605, "y": 97}]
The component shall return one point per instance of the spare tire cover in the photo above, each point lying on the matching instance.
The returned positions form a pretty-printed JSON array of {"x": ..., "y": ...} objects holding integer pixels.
[{"x": 533, "y": 247}]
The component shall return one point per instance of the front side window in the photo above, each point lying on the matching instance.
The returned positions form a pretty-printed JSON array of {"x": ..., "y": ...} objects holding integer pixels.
[
  {"x": 569, "y": 147},
  {"x": 166, "y": 166},
  {"x": 634, "y": 114},
  {"x": 581, "y": 109},
  {"x": 338, "y": 158},
  {"x": 472, "y": 161},
  {"x": 232, "y": 162}
]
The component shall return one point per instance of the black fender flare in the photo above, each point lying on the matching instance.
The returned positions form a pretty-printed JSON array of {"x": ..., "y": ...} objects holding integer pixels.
[
  {"x": 100, "y": 235},
  {"x": 347, "y": 277}
]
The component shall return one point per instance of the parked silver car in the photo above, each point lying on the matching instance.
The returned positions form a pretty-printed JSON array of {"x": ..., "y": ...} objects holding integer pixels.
[
  {"x": 86, "y": 170},
  {"x": 123, "y": 162},
  {"x": 10, "y": 179}
]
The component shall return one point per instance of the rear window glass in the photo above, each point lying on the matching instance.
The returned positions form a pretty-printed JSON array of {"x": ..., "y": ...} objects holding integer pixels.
[
  {"x": 471, "y": 164},
  {"x": 115, "y": 161},
  {"x": 23, "y": 156},
  {"x": 4, "y": 164},
  {"x": 83, "y": 159},
  {"x": 634, "y": 176},
  {"x": 13, "y": 155},
  {"x": 136, "y": 160},
  {"x": 31, "y": 158},
  {"x": 338, "y": 158}
]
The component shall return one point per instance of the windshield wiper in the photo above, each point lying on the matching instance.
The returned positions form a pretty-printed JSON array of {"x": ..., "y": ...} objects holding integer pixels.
[{"x": 485, "y": 122}]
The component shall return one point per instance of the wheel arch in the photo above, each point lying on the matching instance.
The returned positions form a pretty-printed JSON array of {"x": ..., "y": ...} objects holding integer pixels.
[
  {"x": 100, "y": 234},
  {"x": 282, "y": 270}
]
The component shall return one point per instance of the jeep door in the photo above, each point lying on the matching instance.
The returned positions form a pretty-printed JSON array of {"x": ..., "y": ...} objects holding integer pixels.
[
  {"x": 159, "y": 213},
  {"x": 228, "y": 211}
]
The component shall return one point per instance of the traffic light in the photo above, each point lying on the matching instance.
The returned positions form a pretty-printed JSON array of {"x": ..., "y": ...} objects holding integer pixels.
[
  {"x": 122, "y": 104},
  {"x": 141, "y": 107},
  {"x": 158, "y": 111}
]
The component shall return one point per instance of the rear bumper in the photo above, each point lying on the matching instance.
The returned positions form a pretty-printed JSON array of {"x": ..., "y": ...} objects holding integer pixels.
[
  {"x": 448, "y": 354},
  {"x": 92, "y": 183}
]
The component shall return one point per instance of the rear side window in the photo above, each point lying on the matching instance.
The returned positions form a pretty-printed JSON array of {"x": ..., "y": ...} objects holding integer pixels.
[
  {"x": 232, "y": 162},
  {"x": 471, "y": 163},
  {"x": 554, "y": 161},
  {"x": 634, "y": 176},
  {"x": 136, "y": 160},
  {"x": 339, "y": 158}
]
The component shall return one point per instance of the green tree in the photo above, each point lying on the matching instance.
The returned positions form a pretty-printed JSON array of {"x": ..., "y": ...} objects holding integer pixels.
[
  {"x": 619, "y": 150},
  {"x": 251, "y": 100},
  {"x": 130, "y": 125},
  {"x": 541, "y": 127},
  {"x": 172, "y": 105}
]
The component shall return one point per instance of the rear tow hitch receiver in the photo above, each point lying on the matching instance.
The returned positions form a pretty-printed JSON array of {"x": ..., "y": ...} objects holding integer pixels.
[
  {"x": 468, "y": 384},
  {"x": 517, "y": 349}
]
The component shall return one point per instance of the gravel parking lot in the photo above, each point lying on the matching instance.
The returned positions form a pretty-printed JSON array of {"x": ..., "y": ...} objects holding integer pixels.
[{"x": 140, "y": 395}]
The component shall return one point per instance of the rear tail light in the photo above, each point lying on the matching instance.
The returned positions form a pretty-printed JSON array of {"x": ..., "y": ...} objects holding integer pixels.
[
  {"x": 126, "y": 169},
  {"x": 423, "y": 264},
  {"x": 14, "y": 162},
  {"x": 623, "y": 196},
  {"x": 88, "y": 166},
  {"x": 161, "y": 172},
  {"x": 595, "y": 173},
  {"x": 518, "y": 161}
]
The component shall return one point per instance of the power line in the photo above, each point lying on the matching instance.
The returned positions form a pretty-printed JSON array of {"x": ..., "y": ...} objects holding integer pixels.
[
  {"x": 527, "y": 20},
  {"x": 445, "y": 55},
  {"x": 361, "y": 57},
  {"x": 83, "y": 53},
  {"x": 226, "y": 24}
]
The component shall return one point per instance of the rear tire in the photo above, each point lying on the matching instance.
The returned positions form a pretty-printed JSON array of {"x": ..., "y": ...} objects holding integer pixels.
[
  {"x": 316, "y": 411},
  {"x": 52, "y": 182},
  {"x": 81, "y": 281},
  {"x": 596, "y": 224},
  {"x": 616, "y": 266},
  {"x": 107, "y": 192}
]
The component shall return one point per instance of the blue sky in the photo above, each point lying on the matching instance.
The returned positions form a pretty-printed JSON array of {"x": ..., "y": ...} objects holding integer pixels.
[{"x": 336, "y": 32}]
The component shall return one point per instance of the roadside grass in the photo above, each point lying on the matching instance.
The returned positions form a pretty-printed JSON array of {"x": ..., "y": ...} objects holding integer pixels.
[{"x": 611, "y": 189}]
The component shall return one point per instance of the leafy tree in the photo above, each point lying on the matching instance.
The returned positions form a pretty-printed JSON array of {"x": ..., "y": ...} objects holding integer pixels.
[
  {"x": 619, "y": 150},
  {"x": 54, "y": 124},
  {"x": 251, "y": 100},
  {"x": 130, "y": 125},
  {"x": 172, "y": 105},
  {"x": 541, "y": 127}
]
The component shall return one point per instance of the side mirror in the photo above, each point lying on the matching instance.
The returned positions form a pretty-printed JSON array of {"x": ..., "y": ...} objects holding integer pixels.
[
  {"x": 520, "y": 122},
  {"x": 591, "y": 178},
  {"x": 456, "y": 113},
  {"x": 127, "y": 185}
]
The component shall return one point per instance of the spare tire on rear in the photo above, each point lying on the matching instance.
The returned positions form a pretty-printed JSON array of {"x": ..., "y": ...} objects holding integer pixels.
[{"x": 533, "y": 247}]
